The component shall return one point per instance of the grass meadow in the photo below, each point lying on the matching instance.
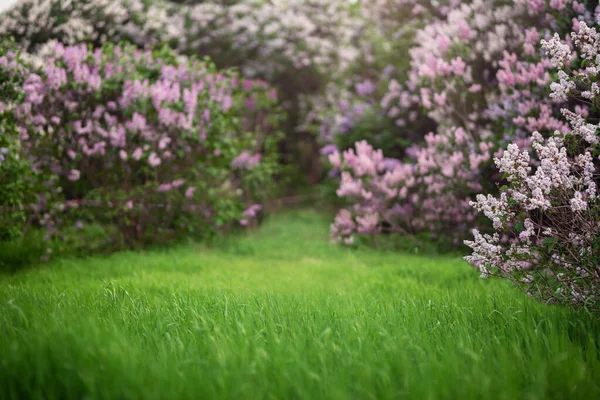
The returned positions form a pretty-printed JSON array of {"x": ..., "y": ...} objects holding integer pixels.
[{"x": 285, "y": 313}]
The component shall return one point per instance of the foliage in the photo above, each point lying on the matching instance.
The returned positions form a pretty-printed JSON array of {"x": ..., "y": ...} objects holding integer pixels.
[{"x": 17, "y": 182}]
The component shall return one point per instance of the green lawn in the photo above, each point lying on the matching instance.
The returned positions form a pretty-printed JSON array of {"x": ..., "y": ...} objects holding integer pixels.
[{"x": 283, "y": 313}]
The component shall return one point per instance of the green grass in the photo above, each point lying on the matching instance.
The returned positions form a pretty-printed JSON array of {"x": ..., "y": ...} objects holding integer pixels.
[{"x": 282, "y": 313}]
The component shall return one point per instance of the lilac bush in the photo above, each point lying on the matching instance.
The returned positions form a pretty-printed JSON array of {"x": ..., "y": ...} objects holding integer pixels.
[
  {"x": 483, "y": 82},
  {"x": 349, "y": 109},
  {"x": 297, "y": 46},
  {"x": 270, "y": 38},
  {"x": 146, "y": 142},
  {"x": 430, "y": 195},
  {"x": 34, "y": 23},
  {"x": 262, "y": 38},
  {"x": 547, "y": 217},
  {"x": 17, "y": 182}
]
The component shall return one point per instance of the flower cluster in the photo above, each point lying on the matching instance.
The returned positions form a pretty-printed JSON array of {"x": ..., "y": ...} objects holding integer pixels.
[{"x": 429, "y": 194}]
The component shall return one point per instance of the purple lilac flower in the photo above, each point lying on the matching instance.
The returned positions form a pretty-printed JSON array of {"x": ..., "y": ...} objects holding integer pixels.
[
  {"x": 245, "y": 160},
  {"x": 365, "y": 88},
  {"x": 252, "y": 210},
  {"x": 74, "y": 175},
  {"x": 154, "y": 160},
  {"x": 165, "y": 187},
  {"x": 329, "y": 149},
  {"x": 189, "y": 193},
  {"x": 391, "y": 163}
]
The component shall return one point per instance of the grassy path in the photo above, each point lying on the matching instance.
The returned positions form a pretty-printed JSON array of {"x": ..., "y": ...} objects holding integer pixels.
[{"x": 285, "y": 314}]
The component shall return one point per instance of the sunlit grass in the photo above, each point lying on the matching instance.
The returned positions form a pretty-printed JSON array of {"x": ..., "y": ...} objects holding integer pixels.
[{"x": 283, "y": 313}]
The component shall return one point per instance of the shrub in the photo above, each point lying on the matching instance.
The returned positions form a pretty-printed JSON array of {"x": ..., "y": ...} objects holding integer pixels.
[
  {"x": 147, "y": 142},
  {"x": 351, "y": 107},
  {"x": 547, "y": 218},
  {"x": 477, "y": 73},
  {"x": 17, "y": 183},
  {"x": 34, "y": 23},
  {"x": 430, "y": 195},
  {"x": 295, "y": 45}
]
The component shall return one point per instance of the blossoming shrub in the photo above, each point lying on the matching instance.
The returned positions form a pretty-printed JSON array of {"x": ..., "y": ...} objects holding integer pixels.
[
  {"x": 17, "y": 183},
  {"x": 430, "y": 195},
  {"x": 34, "y": 23},
  {"x": 297, "y": 46},
  {"x": 264, "y": 39},
  {"x": 547, "y": 217},
  {"x": 145, "y": 142},
  {"x": 351, "y": 108},
  {"x": 483, "y": 81},
  {"x": 477, "y": 65},
  {"x": 269, "y": 38}
]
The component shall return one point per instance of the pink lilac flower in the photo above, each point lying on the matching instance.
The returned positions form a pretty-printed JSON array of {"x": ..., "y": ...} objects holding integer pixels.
[
  {"x": 137, "y": 154},
  {"x": 245, "y": 160},
  {"x": 74, "y": 175},
  {"x": 252, "y": 211},
  {"x": 165, "y": 187},
  {"x": 154, "y": 160},
  {"x": 189, "y": 193}
]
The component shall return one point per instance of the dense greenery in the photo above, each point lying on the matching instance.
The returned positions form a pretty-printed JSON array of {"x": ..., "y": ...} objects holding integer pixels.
[
  {"x": 283, "y": 313},
  {"x": 17, "y": 182}
]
